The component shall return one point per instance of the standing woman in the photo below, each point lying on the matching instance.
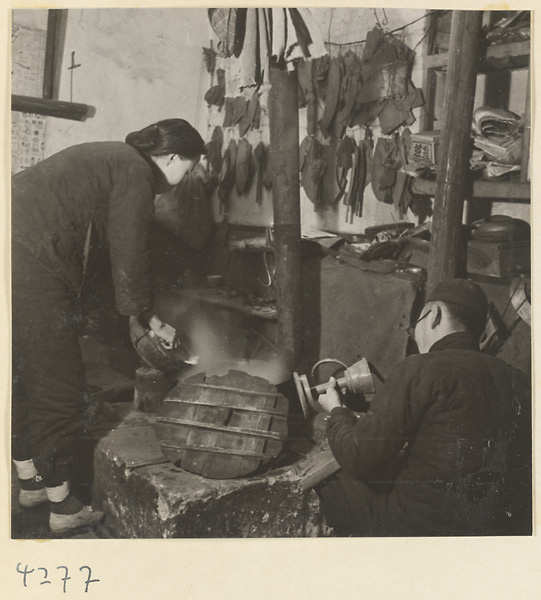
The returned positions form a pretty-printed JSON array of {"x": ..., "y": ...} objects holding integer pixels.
[{"x": 99, "y": 191}]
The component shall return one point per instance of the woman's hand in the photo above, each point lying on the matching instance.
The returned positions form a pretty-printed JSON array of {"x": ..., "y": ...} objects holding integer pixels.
[
  {"x": 166, "y": 333},
  {"x": 330, "y": 399}
]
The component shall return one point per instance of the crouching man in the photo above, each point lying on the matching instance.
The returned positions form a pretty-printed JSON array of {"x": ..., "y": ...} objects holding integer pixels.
[{"x": 445, "y": 448}]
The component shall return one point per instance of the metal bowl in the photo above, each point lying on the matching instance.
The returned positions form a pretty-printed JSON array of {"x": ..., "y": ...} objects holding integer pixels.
[{"x": 153, "y": 352}]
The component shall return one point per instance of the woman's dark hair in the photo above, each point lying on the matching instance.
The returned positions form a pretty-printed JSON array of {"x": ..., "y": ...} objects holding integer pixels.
[{"x": 171, "y": 136}]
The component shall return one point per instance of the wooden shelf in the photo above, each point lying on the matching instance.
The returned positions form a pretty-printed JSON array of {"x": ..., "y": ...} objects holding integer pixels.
[
  {"x": 513, "y": 55},
  {"x": 500, "y": 190},
  {"x": 214, "y": 297},
  {"x": 249, "y": 249},
  {"x": 309, "y": 247}
]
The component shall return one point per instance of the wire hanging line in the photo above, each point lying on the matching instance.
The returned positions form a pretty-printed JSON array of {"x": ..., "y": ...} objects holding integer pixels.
[
  {"x": 385, "y": 19},
  {"x": 356, "y": 43}
]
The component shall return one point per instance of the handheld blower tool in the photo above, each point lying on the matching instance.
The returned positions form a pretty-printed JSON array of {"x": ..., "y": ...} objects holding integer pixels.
[{"x": 357, "y": 379}]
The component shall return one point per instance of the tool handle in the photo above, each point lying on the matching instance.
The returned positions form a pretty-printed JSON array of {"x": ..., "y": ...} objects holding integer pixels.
[{"x": 323, "y": 387}]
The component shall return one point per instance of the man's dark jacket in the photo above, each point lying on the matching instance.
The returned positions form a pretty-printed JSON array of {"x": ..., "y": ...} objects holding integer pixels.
[
  {"x": 463, "y": 417},
  {"x": 108, "y": 184}
]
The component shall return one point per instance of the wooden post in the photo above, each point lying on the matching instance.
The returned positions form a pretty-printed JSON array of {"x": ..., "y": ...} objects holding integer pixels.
[
  {"x": 51, "y": 108},
  {"x": 455, "y": 145},
  {"x": 526, "y": 136},
  {"x": 284, "y": 161}
]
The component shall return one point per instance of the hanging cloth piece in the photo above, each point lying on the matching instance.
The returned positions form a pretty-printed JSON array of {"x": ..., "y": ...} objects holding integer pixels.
[
  {"x": 398, "y": 111},
  {"x": 264, "y": 45},
  {"x": 336, "y": 129},
  {"x": 227, "y": 172},
  {"x": 384, "y": 167},
  {"x": 259, "y": 155},
  {"x": 368, "y": 144},
  {"x": 333, "y": 96},
  {"x": 304, "y": 39},
  {"x": 278, "y": 34},
  {"x": 316, "y": 45},
  {"x": 354, "y": 196},
  {"x": 399, "y": 191},
  {"x": 344, "y": 164},
  {"x": 305, "y": 77},
  {"x": 240, "y": 31},
  {"x": 239, "y": 110},
  {"x": 229, "y": 25},
  {"x": 368, "y": 112},
  {"x": 360, "y": 183},
  {"x": 351, "y": 179},
  {"x": 312, "y": 168},
  {"x": 251, "y": 115},
  {"x": 214, "y": 151},
  {"x": 405, "y": 199},
  {"x": 223, "y": 22},
  {"x": 250, "y": 50},
  {"x": 243, "y": 167},
  {"x": 295, "y": 35},
  {"x": 228, "y": 113},
  {"x": 293, "y": 48},
  {"x": 387, "y": 91},
  {"x": 386, "y": 68},
  {"x": 215, "y": 96},
  {"x": 350, "y": 89},
  {"x": 209, "y": 55},
  {"x": 320, "y": 75}
]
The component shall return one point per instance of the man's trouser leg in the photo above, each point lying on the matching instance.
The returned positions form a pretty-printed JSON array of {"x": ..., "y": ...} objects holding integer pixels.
[{"x": 352, "y": 507}]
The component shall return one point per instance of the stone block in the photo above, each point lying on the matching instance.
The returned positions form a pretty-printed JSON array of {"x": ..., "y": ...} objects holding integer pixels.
[{"x": 145, "y": 496}]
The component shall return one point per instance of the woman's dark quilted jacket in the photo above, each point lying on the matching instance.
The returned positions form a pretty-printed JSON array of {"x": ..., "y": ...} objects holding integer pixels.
[{"x": 107, "y": 184}]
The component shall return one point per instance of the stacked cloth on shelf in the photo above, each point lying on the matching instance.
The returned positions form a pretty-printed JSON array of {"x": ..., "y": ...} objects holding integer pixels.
[
  {"x": 512, "y": 28},
  {"x": 497, "y": 137}
]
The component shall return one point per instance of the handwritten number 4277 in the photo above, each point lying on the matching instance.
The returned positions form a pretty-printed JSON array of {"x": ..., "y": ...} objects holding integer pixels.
[{"x": 44, "y": 580}]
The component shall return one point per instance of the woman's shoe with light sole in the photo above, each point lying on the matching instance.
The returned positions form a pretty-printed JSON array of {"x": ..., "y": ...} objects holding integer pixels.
[{"x": 86, "y": 517}]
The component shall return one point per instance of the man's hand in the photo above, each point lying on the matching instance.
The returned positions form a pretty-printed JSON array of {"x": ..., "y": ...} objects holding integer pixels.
[{"x": 330, "y": 399}]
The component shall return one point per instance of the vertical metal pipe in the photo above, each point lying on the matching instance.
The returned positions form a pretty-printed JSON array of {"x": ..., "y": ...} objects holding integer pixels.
[
  {"x": 284, "y": 161},
  {"x": 455, "y": 145},
  {"x": 53, "y": 50}
]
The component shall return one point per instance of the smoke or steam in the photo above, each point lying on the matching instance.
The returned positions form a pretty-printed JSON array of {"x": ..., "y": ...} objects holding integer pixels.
[
  {"x": 218, "y": 341},
  {"x": 217, "y": 353}
]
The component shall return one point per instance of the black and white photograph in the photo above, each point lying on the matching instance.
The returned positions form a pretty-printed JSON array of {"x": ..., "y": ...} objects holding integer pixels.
[{"x": 270, "y": 275}]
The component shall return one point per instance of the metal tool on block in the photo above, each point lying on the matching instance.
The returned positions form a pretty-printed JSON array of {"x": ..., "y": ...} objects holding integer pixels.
[{"x": 357, "y": 379}]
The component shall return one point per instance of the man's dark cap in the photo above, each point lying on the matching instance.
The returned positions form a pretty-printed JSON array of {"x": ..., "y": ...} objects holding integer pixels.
[{"x": 462, "y": 292}]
